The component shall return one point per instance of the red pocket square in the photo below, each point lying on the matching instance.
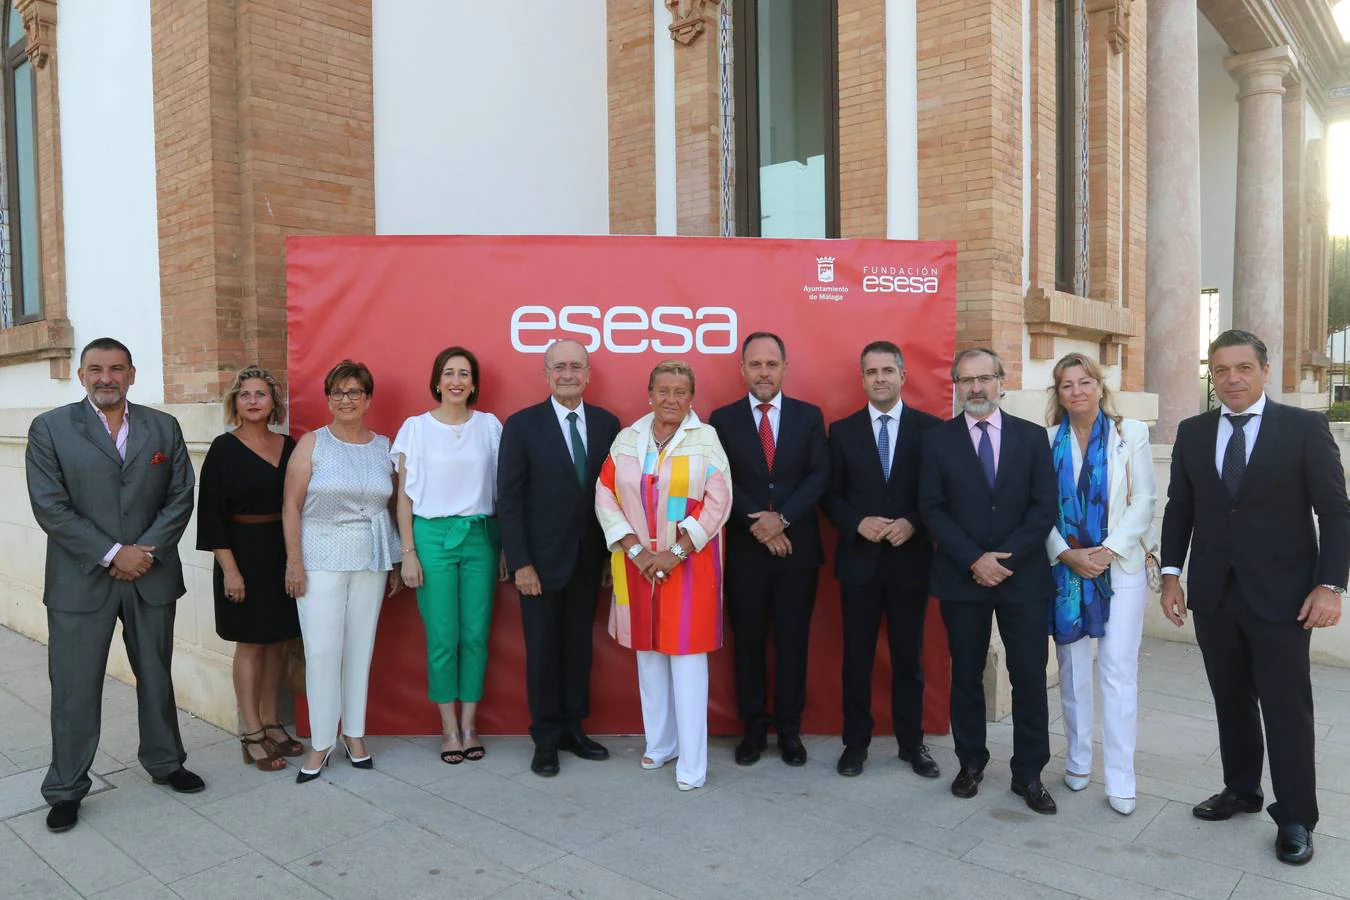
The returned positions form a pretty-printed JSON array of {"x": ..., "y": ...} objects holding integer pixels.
[{"x": 158, "y": 458}]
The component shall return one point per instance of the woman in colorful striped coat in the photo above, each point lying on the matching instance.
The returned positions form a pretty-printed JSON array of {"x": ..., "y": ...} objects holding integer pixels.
[{"x": 662, "y": 499}]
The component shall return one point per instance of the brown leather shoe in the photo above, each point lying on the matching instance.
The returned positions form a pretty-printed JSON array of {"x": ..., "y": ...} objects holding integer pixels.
[
  {"x": 967, "y": 783},
  {"x": 1037, "y": 797}
]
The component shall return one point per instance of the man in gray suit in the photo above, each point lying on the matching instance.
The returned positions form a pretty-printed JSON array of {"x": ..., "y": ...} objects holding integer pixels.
[{"x": 111, "y": 485}]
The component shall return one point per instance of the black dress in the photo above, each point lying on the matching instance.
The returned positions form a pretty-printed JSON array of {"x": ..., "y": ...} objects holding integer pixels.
[{"x": 235, "y": 481}]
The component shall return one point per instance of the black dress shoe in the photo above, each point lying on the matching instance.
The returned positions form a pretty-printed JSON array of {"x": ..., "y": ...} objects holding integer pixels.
[
  {"x": 792, "y": 750},
  {"x": 182, "y": 781},
  {"x": 851, "y": 761},
  {"x": 920, "y": 761},
  {"x": 1293, "y": 843},
  {"x": 582, "y": 746},
  {"x": 65, "y": 813},
  {"x": 751, "y": 746},
  {"x": 545, "y": 762},
  {"x": 1037, "y": 797},
  {"x": 966, "y": 784},
  {"x": 1224, "y": 805}
]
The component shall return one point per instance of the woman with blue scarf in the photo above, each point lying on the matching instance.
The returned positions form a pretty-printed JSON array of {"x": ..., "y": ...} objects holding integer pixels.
[{"x": 1106, "y": 495}]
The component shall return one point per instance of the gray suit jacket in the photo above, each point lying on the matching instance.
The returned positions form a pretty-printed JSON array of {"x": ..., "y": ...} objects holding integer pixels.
[{"x": 86, "y": 499}]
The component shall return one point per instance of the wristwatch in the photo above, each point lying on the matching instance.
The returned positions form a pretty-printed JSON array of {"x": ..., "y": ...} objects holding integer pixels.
[
  {"x": 678, "y": 549},
  {"x": 634, "y": 551},
  {"x": 782, "y": 518},
  {"x": 1332, "y": 587}
]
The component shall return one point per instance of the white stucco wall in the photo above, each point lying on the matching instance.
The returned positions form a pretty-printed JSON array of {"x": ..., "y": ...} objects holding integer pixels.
[
  {"x": 490, "y": 118},
  {"x": 1218, "y": 169},
  {"x": 108, "y": 183},
  {"x": 902, "y": 120},
  {"x": 1313, "y": 128}
]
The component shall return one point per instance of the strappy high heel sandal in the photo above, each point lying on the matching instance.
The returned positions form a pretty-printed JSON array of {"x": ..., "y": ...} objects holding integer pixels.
[
  {"x": 451, "y": 757},
  {"x": 269, "y": 761},
  {"x": 475, "y": 751},
  {"x": 288, "y": 746}
]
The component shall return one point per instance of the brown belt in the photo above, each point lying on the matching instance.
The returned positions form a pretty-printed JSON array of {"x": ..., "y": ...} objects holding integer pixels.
[{"x": 256, "y": 519}]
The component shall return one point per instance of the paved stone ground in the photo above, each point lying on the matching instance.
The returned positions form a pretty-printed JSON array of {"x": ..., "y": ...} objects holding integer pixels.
[{"x": 414, "y": 827}]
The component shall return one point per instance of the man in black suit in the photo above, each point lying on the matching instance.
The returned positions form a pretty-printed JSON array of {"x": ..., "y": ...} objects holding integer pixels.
[
  {"x": 779, "y": 468},
  {"x": 549, "y": 459},
  {"x": 883, "y": 557},
  {"x": 1246, "y": 480},
  {"x": 989, "y": 498}
]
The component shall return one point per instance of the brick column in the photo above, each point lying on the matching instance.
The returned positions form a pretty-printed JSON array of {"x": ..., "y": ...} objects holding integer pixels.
[
  {"x": 698, "y": 124},
  {"x": 632, "y": 131},
  {"x": 862, "y": 118},
  {"x": 1258, "y": 250}
]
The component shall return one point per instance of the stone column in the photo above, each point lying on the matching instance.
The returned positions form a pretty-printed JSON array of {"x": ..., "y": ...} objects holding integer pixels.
[
  {"x": 1258, "y": 251},
  {"x": 1172, "y": 293}
]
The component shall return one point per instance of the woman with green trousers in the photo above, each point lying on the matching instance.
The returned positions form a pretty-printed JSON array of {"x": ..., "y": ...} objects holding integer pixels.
[{"x": 447, "y": 522}]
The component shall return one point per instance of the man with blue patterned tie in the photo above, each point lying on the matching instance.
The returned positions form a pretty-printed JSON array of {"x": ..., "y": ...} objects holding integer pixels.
[
  {"x": 989, "y": 498},
  {"x": 883, "y": 557}
]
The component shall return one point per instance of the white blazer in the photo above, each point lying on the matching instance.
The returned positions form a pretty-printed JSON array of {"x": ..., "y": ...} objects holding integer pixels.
[{"x": 1126, "y": 522}]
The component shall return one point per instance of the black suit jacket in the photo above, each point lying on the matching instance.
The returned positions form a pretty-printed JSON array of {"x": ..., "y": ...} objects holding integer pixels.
[
  {"x": 801, "y": 472},
  {"x": 1265, "y": 536},
  {"x": 547, "y": 517},
  {"x": 857, "y": 490},
  {"x": 968, "y": 519}
]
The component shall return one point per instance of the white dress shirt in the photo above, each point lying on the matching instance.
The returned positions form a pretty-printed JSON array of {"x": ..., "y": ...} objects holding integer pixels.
[
  {"x": 774, "y": 414},
  {"x": 892, "y": 427},
  {"x": 561, "y": 412}
]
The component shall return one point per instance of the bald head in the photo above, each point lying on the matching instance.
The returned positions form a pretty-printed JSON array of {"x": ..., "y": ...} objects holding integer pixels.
[{"x": 568, "y": 369}]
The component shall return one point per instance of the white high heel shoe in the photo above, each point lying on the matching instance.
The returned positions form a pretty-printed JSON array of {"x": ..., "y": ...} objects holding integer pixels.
[
  {"x": 1122, "y": 805},
  {"x": 1076, "y": 783}
]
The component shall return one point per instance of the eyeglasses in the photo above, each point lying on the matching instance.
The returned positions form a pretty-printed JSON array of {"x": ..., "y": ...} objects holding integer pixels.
[
  {"x": 565, "y": 368},
  {"x": 981, "y": 380},
  {"x": 354, "y": 394}
]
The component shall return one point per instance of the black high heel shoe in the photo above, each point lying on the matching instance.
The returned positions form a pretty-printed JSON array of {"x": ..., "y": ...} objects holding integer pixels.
[
  {"x": 305, "y": 775},
  {"x": 365, "y": 762}
]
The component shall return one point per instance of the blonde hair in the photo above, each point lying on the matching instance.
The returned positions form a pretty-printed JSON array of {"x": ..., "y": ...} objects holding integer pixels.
[
  {"x": 671, "y": 367},
  {"x": 1054, "y": 410},
  {"x": 232, "y": 395}
]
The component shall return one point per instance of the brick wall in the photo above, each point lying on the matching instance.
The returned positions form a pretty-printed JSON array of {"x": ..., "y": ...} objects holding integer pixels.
[
  {"x": 632, "y": 134},
  {"x": 263, "y": 127},
  {"x": 862, "y": 118}
]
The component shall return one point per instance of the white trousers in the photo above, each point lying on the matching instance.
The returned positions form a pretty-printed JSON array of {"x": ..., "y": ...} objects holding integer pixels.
[
  {"x": 338, "y": 615},
  {"x": 674, "y": 693},
  {"x": 1118, "y": 665}
]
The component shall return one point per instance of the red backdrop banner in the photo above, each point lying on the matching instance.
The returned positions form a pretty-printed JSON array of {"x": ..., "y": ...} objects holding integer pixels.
[{"x": 395, "y": 302}]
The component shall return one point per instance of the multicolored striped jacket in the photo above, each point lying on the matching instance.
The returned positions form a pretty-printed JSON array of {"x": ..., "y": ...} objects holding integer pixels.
[{"x": 687, "y": 488}]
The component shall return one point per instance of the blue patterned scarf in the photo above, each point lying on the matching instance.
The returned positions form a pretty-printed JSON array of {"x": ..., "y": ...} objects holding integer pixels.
[{"x": 1082, "y": 606}]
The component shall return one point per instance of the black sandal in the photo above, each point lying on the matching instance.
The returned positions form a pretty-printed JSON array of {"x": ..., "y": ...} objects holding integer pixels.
[
  {"x": 475, "y": 753},
  {"x": 451, "y": 757}
]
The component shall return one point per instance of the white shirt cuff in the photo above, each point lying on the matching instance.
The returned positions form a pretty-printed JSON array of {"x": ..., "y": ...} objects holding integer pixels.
[
  {"x": 108, "y": 557},
  {"x": 1171, "y": 570}
]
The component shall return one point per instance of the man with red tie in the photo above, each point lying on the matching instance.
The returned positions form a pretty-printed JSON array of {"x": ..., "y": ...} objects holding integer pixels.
[{"x": 779, "y": 468}]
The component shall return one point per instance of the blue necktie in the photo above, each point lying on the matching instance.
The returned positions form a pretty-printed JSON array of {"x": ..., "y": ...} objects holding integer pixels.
[
  {"x": 986, "y": 453},
  {"x": 884, "y": 446}
]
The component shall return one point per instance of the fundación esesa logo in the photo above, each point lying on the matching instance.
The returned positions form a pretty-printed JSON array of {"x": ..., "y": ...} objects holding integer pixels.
[
  {"x": 711, "y": 330},
  {"x": 920, "y": 280}
]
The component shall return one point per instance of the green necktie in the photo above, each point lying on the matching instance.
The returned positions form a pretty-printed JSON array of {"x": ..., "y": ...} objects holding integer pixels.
[{"x": 578, "y": 448}]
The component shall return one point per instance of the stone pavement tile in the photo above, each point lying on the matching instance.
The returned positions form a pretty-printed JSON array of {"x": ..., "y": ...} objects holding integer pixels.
[
  {"x": 520, "y": 805},
  {"x": 879, "y": 867},
  {"x": 1247, "y": 843},
  {"x": 1203, "y": 723},
  {"x": 1022, "y": 829},
  {"x": 7, "y": 767},
  {"x": 1190, "y": 745},
  {"x": 1334, "y": 808},
  {"x": 1064, "y": 875},
  {"x": 41, "y": 758},
  {"x": 24, "y": 875},
  {"x": 1174, "y": 684},
  {"x": 753, "y": 831},
  {"x": 1333, "y": 768},
  {"x": 251, "y": 875},
  {"x": 120, "y": 736},
  {"x": 18, "y": 652},
  {"x": 414, "y": 760},
  {"x": 25, "y": 727},
  {"x": 30, "y": 684},
  {"x": 151, "y": 826},
  {"x": 1201, "y": 709},
  {"x": 1338, "y": 734},
  {"x": 576, "y": 877},
  {"x": 529, "y": 890},
  {"x": 87, "y": 860},
  {"x": 1087, "y": 810},
  {"x": 681, "y": 871},
  {"x": 287, "y": 821},
  {"x": 1188, "y": 794},
  {"x": 1254, "y": 887},
  {"x": 1156, "y": 648},
  {"x": 493, "y": 840},
  {"x": 616, "y": 790},
  {"x": 146, "y": 888},
  {"x": 400, "y": 860},
  {"x": 222, "y": 768},
  {"x": 22, "y": 792}
]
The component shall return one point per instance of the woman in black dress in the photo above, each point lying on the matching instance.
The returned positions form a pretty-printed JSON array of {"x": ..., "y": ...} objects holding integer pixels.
[{"x": 239, "y": 520}]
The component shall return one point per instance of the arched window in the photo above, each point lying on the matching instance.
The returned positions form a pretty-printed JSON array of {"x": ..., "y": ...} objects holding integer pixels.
[{"x": 20, "y": 273}]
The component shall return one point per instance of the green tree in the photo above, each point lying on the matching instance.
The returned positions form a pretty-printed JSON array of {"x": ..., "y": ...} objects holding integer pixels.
[{"x": 1338, "y": 305}]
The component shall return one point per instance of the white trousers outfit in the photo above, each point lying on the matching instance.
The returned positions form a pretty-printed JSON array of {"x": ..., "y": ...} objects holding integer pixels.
[
  {"x": 338, "y": 616},
  {"x": 1118, "y": 665},
  {"x": 674, "y": 693}
]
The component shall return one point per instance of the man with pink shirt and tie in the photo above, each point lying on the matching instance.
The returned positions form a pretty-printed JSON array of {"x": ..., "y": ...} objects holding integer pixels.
[{"x": 987, "y": 494}]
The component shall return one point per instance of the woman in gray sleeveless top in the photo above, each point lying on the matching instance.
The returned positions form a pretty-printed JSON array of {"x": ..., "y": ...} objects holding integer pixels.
[{"x": 340, "y": 548}]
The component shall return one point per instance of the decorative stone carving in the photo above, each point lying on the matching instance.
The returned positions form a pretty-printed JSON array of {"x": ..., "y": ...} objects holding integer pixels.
[
  {"x": 1117, "y": 14},
  {"x": 39, "y": 21},
  {"x": 688, "y": 19}
]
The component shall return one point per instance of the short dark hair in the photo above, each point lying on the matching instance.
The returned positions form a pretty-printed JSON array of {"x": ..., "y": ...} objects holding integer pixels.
[
  {"x": 1236, "y": 337},
  {"x": 769, "y": 335},
  {"x": 444, "y": 357},
  {"x": 105, "y": 343},
  {"x": 348, "y": 369},
  {"x": 975, "y": 351},
  {"x": 883, "y": 347}
]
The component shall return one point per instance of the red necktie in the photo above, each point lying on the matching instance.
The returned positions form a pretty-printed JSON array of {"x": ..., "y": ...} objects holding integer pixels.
[{"x": 766, "y": 433}]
